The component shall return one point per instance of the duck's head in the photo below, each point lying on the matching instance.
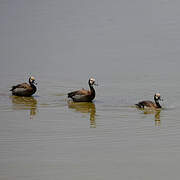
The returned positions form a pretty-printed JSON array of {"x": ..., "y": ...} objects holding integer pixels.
[
  {"x": 157, "y": 97},
  {"x": 32, "y": 80},
  {"x": 92, "y": 82}
]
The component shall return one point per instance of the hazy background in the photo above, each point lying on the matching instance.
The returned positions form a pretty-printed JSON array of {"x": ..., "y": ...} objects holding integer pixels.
[{"x": 82, "y": 38}]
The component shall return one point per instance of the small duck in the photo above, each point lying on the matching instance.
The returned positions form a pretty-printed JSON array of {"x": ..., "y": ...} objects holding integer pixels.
[
  {"x": 150, "y": 104},
  {"x": 84, "y": 95},
  {"x": 25, "y": 89}
]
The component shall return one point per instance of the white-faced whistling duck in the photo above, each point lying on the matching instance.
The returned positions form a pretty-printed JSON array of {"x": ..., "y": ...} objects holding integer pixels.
[
  {"x": 84, "y": 95},
  {"x": 150, "y": 104},
  {"x": 24, "y": 89}
]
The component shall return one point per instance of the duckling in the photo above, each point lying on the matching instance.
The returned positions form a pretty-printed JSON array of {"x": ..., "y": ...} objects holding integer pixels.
[
  {"x": 150, "y": 104},
  {"x": 25, "y": 89},
  {"x": 84, "y": 95}
]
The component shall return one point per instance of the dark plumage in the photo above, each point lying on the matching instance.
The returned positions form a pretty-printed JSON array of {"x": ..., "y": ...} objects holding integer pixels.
[
  {"x": 24, "y": 89},
  {"x": 84, "y": 95},
  {"x": 150, "y": 104}
]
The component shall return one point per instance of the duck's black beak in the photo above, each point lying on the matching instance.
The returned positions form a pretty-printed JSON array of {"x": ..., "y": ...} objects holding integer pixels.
[{"x": 95, "y": 84}]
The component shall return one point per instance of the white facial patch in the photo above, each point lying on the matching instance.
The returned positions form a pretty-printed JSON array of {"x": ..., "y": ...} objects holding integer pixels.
[
  {"x": 158, "y": 95},
  {"x": 32, "y": 78},
  {"x": 92, "y": 80}
]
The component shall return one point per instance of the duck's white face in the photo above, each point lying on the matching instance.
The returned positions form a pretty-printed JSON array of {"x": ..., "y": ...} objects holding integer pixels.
[
  {"x": 91, "y": 81},
  {"x": 32, "y": 79},
  {"x": 158, "y": 96}
]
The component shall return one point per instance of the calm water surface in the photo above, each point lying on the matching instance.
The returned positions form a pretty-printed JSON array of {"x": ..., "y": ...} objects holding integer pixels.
[{"x": 132, "y": 49}]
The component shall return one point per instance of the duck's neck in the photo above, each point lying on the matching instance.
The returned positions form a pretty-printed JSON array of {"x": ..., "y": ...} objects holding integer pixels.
[
  {"x": 32, "y": 85},
  {"x": 93, "y": 93},
  {"x": 157, "y": 104}
]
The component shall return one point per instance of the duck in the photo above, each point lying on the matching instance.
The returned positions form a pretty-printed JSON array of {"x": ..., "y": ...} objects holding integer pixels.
[
  {"x": 150, "y": 104},
  {"x": 24, "y": 89},
  {"x": 84, "y": 95}
]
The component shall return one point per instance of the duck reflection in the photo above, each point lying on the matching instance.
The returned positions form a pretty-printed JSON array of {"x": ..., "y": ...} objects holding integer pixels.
[
  {"x": 85, "y": 107},
  {"x": 156, "y": 115},
  {"x": 23, "y": 103}
]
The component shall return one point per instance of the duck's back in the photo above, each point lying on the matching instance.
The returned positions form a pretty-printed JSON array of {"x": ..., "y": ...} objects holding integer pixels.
[
  {"x": 80, "y": 95},
  {"x": 144, "y": 104},
  {"x": 23, "y": 89}
]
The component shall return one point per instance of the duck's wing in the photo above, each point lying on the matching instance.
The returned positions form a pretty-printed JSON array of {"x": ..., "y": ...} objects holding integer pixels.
[
  {"x": 78, "y": 93},
  {"x": 143, "y": 104},
  {"x": 21, "y": 86}
]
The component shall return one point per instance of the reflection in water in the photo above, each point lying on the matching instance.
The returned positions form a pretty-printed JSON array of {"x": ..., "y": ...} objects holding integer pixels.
[
  {"x": 156, "y": 113},
  {"x": 85, "y": 107},
  {"x": 23, "y": 103}
]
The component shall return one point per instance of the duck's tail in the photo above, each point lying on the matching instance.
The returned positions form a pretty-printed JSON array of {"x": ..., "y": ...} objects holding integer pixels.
[
  {"x": 139, "y": 105},
  {"x": 12, "y": 88}
]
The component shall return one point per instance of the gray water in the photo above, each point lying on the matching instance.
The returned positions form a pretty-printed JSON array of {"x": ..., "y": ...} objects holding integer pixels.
[{"x": 132, "y": 49}]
